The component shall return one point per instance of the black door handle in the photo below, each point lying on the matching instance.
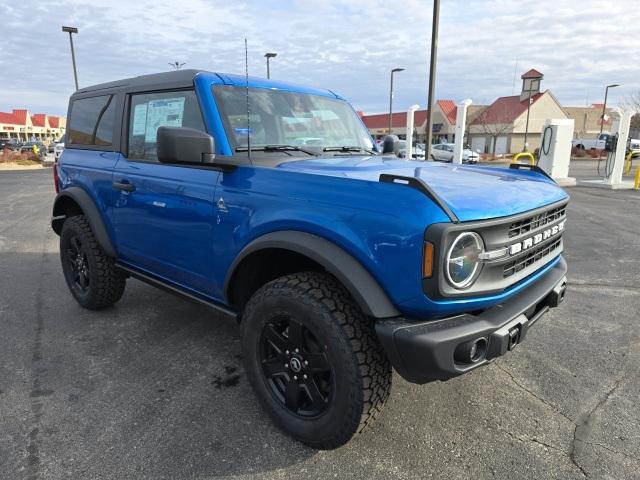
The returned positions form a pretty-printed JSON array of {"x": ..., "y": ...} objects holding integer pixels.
[{"x": 125, "y": 187}]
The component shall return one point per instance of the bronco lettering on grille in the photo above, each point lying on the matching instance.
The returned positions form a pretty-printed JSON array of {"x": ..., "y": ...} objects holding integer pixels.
[{"x": 536, "y": 239}]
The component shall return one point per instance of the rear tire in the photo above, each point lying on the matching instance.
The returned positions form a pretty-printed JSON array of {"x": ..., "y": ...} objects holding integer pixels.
[
  {"x": 313, "y": 359},
  {"x": 91, "y": 275}
]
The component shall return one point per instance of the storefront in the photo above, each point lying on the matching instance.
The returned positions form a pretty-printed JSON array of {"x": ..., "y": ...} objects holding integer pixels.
[{"x": 23, "y": 127}]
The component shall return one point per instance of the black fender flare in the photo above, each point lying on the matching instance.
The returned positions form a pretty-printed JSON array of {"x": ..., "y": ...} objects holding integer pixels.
[
  {"x": 363, "y": 287},
  {"x": 89, "y": 209}
]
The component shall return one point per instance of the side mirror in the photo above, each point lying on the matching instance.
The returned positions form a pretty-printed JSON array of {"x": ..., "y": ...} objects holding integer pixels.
[
  {"x": 184, "y": 145},
  {"x": 391, "y": 144}
]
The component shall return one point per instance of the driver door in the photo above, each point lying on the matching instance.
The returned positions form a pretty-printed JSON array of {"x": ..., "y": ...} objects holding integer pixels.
[{"x": 164, "y": 214}]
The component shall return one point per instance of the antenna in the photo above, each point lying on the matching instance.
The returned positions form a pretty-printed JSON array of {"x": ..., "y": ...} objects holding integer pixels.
[
  {"x": 515, "y": 74},
  {"x": 246, "y": 77}
]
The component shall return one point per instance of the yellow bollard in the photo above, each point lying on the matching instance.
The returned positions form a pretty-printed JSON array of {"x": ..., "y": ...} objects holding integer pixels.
[
  {"x": 627, "y": 168},
  {"x": 524, "y": 154},
  {"x": 636, "y": 183}
]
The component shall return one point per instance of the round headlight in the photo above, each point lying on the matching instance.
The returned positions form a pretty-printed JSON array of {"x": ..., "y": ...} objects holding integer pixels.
[{"x": 463, "y": 262}]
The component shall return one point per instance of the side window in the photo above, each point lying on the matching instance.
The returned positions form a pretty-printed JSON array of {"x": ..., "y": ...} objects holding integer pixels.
[
  {"x": 91, "y": 121},
  {"x": 152, "y": 110}
]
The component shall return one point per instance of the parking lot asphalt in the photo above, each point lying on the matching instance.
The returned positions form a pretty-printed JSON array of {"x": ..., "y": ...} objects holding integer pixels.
[{"x": 154, "y": 387}]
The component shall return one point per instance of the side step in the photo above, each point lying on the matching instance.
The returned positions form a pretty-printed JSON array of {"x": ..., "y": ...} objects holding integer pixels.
[{"x": 156, "y": 282}]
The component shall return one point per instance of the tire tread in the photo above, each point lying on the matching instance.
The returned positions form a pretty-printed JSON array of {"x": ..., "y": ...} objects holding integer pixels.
[
  {"x": 111, "y": 281},
  {"x": 373, "y": 365}
]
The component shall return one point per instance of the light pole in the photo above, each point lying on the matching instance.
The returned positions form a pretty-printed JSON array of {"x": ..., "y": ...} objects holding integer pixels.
[
  {"x": 177, "y": 65},
  {"x": 391, "y": 95},
  {"x": 432, "y": 74},
  {"x": 526, "y": 128},
  {"x": 604, "y": 105},
  {"x": 71, "y": 31},
  {"x": 269, "y": 56}
]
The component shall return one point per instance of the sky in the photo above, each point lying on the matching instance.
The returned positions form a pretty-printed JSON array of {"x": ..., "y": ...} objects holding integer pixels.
[{"x": 348, "y": 47}]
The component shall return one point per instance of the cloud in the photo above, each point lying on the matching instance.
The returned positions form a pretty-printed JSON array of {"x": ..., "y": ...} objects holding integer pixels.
[{"x": 348, "y": 47}]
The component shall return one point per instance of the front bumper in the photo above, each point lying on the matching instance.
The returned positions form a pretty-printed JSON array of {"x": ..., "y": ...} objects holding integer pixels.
[{"x": 423, "y": 351}]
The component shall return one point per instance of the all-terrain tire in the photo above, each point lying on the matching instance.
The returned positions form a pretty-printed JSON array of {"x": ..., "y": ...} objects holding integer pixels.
[
  {"x": 360, "y": 371},
  {"x": 104, "y": 283}
]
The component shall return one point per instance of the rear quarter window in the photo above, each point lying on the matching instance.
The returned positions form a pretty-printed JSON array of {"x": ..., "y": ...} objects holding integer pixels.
[{"x": 91, "y": 121}]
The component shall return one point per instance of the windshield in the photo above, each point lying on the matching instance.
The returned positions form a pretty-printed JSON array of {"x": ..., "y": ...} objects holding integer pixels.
[{"x": 278, "y": 118}]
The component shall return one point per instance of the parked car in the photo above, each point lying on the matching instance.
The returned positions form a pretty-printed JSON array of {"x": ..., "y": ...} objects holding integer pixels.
[
  {"x": 337, "y": 264},
  {"x": 58, "y": 148},
  {"x": 10, "y": 143},
  {"x": 591, "y": 143},
  {"x": 417, "y": 152},
  {"x": 52, "y": 146},
  {"x": 443, "y": 152},
  {"x": 28, "y": 147}
]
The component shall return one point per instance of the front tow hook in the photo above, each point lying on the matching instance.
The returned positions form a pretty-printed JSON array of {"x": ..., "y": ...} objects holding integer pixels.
[{"x": 514, "y": 338}]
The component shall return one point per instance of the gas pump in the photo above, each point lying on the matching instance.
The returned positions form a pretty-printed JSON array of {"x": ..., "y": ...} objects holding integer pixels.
[{"x": 555, "y": 150}]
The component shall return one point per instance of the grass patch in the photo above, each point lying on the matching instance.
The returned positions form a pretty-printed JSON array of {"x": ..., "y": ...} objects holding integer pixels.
[{"x": 26, "y": 162}]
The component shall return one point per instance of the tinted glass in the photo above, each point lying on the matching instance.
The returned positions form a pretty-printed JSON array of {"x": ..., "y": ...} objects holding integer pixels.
[
  {"x": 91, "y": 121},
  {"x": 152, "y": 110},
  {"x": 287, "y": 118}
]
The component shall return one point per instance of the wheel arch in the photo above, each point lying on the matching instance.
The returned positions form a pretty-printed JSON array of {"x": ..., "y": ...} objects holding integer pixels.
[
  {"x": 75, "y": 201},
  {"x": 313, "y": 253}
]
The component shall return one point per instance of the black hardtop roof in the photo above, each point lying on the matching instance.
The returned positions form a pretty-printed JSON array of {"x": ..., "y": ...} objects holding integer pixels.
[{"x": 173, "y": 78}]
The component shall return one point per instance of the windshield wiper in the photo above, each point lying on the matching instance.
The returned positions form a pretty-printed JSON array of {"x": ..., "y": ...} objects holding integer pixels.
[
  {"x": 277, "y": 148},
  {"x": 347, "y": 149}
]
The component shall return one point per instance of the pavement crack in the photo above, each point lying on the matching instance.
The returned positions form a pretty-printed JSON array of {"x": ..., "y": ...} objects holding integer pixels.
[
  {"x": 609, "y": 449},
  {"x": 572, "y": 451},
  {"x": 537, "y": 441},
  {"x": 583, "y": 425},
  {"x": 533, "y": 394}
]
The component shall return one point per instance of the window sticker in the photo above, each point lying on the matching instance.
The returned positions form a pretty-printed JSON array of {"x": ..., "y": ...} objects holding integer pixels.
[
  {"x": 163, "y": 113},
  {"x": 139, "y": 119},
  {"x": 242, "y": 132}
]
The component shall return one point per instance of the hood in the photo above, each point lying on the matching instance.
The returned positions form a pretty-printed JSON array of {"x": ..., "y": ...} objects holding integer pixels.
[{"x": 471, "y": 192}]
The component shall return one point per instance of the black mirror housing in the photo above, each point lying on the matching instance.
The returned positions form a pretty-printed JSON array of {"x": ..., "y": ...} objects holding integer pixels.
[
  {"x": 391, "y": 144},
  {"x": 184, "y": 145}
]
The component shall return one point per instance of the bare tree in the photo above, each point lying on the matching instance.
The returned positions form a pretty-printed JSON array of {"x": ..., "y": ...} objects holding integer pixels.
[
  {"x": 496, "y": 123},
  {"x": 633, "y": 102}
]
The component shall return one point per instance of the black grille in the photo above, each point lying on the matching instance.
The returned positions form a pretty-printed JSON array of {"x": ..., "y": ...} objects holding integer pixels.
[
  {"x": 531, "y": 223},
  {"x": 533, "y": 256}
]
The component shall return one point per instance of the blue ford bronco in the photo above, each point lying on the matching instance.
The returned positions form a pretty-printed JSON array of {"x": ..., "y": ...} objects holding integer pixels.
[{"x": 268, "y": 202}]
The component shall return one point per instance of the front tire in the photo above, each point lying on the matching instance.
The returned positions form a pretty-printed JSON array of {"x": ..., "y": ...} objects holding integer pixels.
[
  {"x": 91, "y": 275},
  {"x": 313, "y": 359}
]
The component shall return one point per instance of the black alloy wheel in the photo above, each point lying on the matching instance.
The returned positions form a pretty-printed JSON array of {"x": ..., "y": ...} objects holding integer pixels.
[
  {"x": 313, "y": 359},
  {"x": 91, "y": 275},
  {"x": 78, "y": 265},
  {"x": 295, "y": 367}
]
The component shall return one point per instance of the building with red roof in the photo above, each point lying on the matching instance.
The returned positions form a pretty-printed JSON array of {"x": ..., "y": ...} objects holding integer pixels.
[
  {"x": 500, "y": 128},
  {"x": 444, "y": 122},
  {"x": 19, "y": 124},
  {"x": 587, "y": 120}
]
